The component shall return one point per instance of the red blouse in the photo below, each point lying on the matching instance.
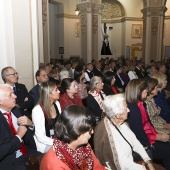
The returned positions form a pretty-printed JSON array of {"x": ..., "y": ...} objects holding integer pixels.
[
  {"x": 65, "y": 100},
  {"x": 148, "y": 128}
]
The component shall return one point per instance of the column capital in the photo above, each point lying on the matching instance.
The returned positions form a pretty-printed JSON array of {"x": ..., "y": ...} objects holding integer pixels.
[
  {"x": 154, "y": 11},
  {"x": 90, "y": 8}
]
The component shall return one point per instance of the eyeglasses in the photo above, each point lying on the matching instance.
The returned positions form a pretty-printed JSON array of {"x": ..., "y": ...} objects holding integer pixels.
[{"x": 13, "y": 74}]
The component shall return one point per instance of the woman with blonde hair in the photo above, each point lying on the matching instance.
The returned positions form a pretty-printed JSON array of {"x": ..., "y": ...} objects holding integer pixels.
[
  {"x": 45, "y": 114},
  {"x": 153, "y": 110},
  {"x": 160, "y": 98},
  {"x": 54, "y": 76}
]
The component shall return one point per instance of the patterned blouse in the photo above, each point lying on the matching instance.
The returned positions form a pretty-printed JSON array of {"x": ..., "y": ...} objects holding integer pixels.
[
  {"x": 82, "y": 91},
  {"x": 153, "y": 112}
]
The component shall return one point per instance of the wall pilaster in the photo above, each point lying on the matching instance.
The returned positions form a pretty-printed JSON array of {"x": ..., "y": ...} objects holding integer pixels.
[
  {"x": 153, "y": 24},
  {"x": 90, "y": 28}
]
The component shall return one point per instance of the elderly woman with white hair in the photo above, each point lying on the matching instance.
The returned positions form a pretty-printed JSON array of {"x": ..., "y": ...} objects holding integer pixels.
[
  {"x": 96, "y": 97},
  {"x": 64, "y": 74},
  {"x": 114, "y": 137}
]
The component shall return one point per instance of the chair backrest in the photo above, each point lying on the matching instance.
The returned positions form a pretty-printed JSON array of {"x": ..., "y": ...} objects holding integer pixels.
[{"x": 34, "y": 162}]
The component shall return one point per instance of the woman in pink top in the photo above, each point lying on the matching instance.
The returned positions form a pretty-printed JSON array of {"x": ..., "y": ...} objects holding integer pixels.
[{"x": 71, "y": 150}]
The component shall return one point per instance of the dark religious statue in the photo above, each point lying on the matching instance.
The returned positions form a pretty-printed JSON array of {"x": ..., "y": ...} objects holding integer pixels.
[{"x": 105, "y": 47}]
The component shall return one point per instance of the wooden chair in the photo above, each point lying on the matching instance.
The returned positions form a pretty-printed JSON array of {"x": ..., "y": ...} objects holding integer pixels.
[{"x": 34, "y": 162}]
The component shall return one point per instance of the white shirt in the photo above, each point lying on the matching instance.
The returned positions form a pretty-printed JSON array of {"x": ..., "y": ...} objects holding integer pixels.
[
  {"x": 132, "y": 75},
  {"x": 42, "y": 141},
  {"x": 124, "y": 150},
  {"x": 87, "y": 76}
]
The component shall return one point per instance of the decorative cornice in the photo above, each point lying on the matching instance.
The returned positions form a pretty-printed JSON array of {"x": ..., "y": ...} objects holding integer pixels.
[
  {"x": 119, "y": 20},
  {"x": 67, "y": 16},
  {"x": 167, "y": 17},
  {"x": 44, "y": 11}
]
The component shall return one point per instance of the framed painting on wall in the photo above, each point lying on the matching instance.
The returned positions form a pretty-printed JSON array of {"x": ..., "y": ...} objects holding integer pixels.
[
  {"x": 136, "y": 30},
  {"x": 61, "y": 50}
]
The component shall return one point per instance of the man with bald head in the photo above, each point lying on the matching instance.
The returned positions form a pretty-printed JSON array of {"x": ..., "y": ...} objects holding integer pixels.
[{"x": 16, "y": 139}]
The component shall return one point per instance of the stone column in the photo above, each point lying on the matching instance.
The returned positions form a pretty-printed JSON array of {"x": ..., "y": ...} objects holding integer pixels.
[
  {"x": 153, "y": 26},
  {"x": 90, "y": 30}
]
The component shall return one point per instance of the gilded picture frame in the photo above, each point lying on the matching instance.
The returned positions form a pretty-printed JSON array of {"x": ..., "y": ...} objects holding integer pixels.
[{"x": 136, "y": 30}]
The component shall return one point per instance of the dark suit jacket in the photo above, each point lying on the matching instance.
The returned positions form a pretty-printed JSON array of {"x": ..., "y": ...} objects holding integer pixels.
[
  {"x": 35, "y": 93},
  {"x": 97, "y": 72},
  {"x": 94, "y": 108},
  {"x": 135, "y": 122},
  {"x": 161, "y": 101},
  {"x": 22, "y": 93},
  {"x": 107, "y": 90},
  {"x": 139, "y": 73},
  {"x": 9, "y": 144},
  {"x": 118, "y": 83}
]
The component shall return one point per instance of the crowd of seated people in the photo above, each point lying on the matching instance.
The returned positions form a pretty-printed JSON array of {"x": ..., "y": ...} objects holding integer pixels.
[{"x": 75, "y": 92}]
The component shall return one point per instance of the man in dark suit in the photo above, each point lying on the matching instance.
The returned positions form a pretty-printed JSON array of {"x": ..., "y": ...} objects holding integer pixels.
[
  {"x": 23, "y": 101},
  {"x": 151, "y": 70},
  {"x": 89, "y": 73},
  {"x": 97, "y": 70},
  {"x": 14, "y": 129},
  {"x": 41, "y": 76},
  {"x": 138, "y": 69}
]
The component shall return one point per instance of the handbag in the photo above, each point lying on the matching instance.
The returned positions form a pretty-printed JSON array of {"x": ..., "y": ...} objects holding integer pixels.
[{"x": 136, "y": 156}]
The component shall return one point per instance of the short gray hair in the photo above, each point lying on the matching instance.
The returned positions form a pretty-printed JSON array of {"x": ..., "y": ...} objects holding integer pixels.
[
  {"x": 94, "y": 81},
  {"x": 113, "y": 105},
  {"x": 64, "y": 74},
  {"x": 4, "y": 72}
]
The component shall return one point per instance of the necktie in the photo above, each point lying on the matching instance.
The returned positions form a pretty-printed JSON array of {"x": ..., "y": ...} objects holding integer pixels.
[
  {"x": 14, "y": 89},
  {"x": 114, "y": 90},
  {"x": 23, "y": 148}
]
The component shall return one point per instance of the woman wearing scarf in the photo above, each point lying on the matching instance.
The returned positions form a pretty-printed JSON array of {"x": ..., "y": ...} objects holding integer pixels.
[
  {"x": 70, "y": 150},
  {"x": 96, "y": 97}
]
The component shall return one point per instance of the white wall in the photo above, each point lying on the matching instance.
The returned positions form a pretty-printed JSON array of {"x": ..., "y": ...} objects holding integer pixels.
[
  {"x": 132, "y": 7},
  {"x": 23, "y": 40},
  {"x": 16, "y": 35}
]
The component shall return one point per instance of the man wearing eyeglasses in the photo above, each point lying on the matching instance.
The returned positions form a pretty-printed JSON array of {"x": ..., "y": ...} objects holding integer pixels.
[
  {"x": 23, "y": 101},
  {"x": 41, "y": 76}
]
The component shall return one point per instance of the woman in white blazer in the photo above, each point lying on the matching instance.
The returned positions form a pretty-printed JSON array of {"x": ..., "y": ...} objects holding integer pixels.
[{"x": 44, "y": 116}]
